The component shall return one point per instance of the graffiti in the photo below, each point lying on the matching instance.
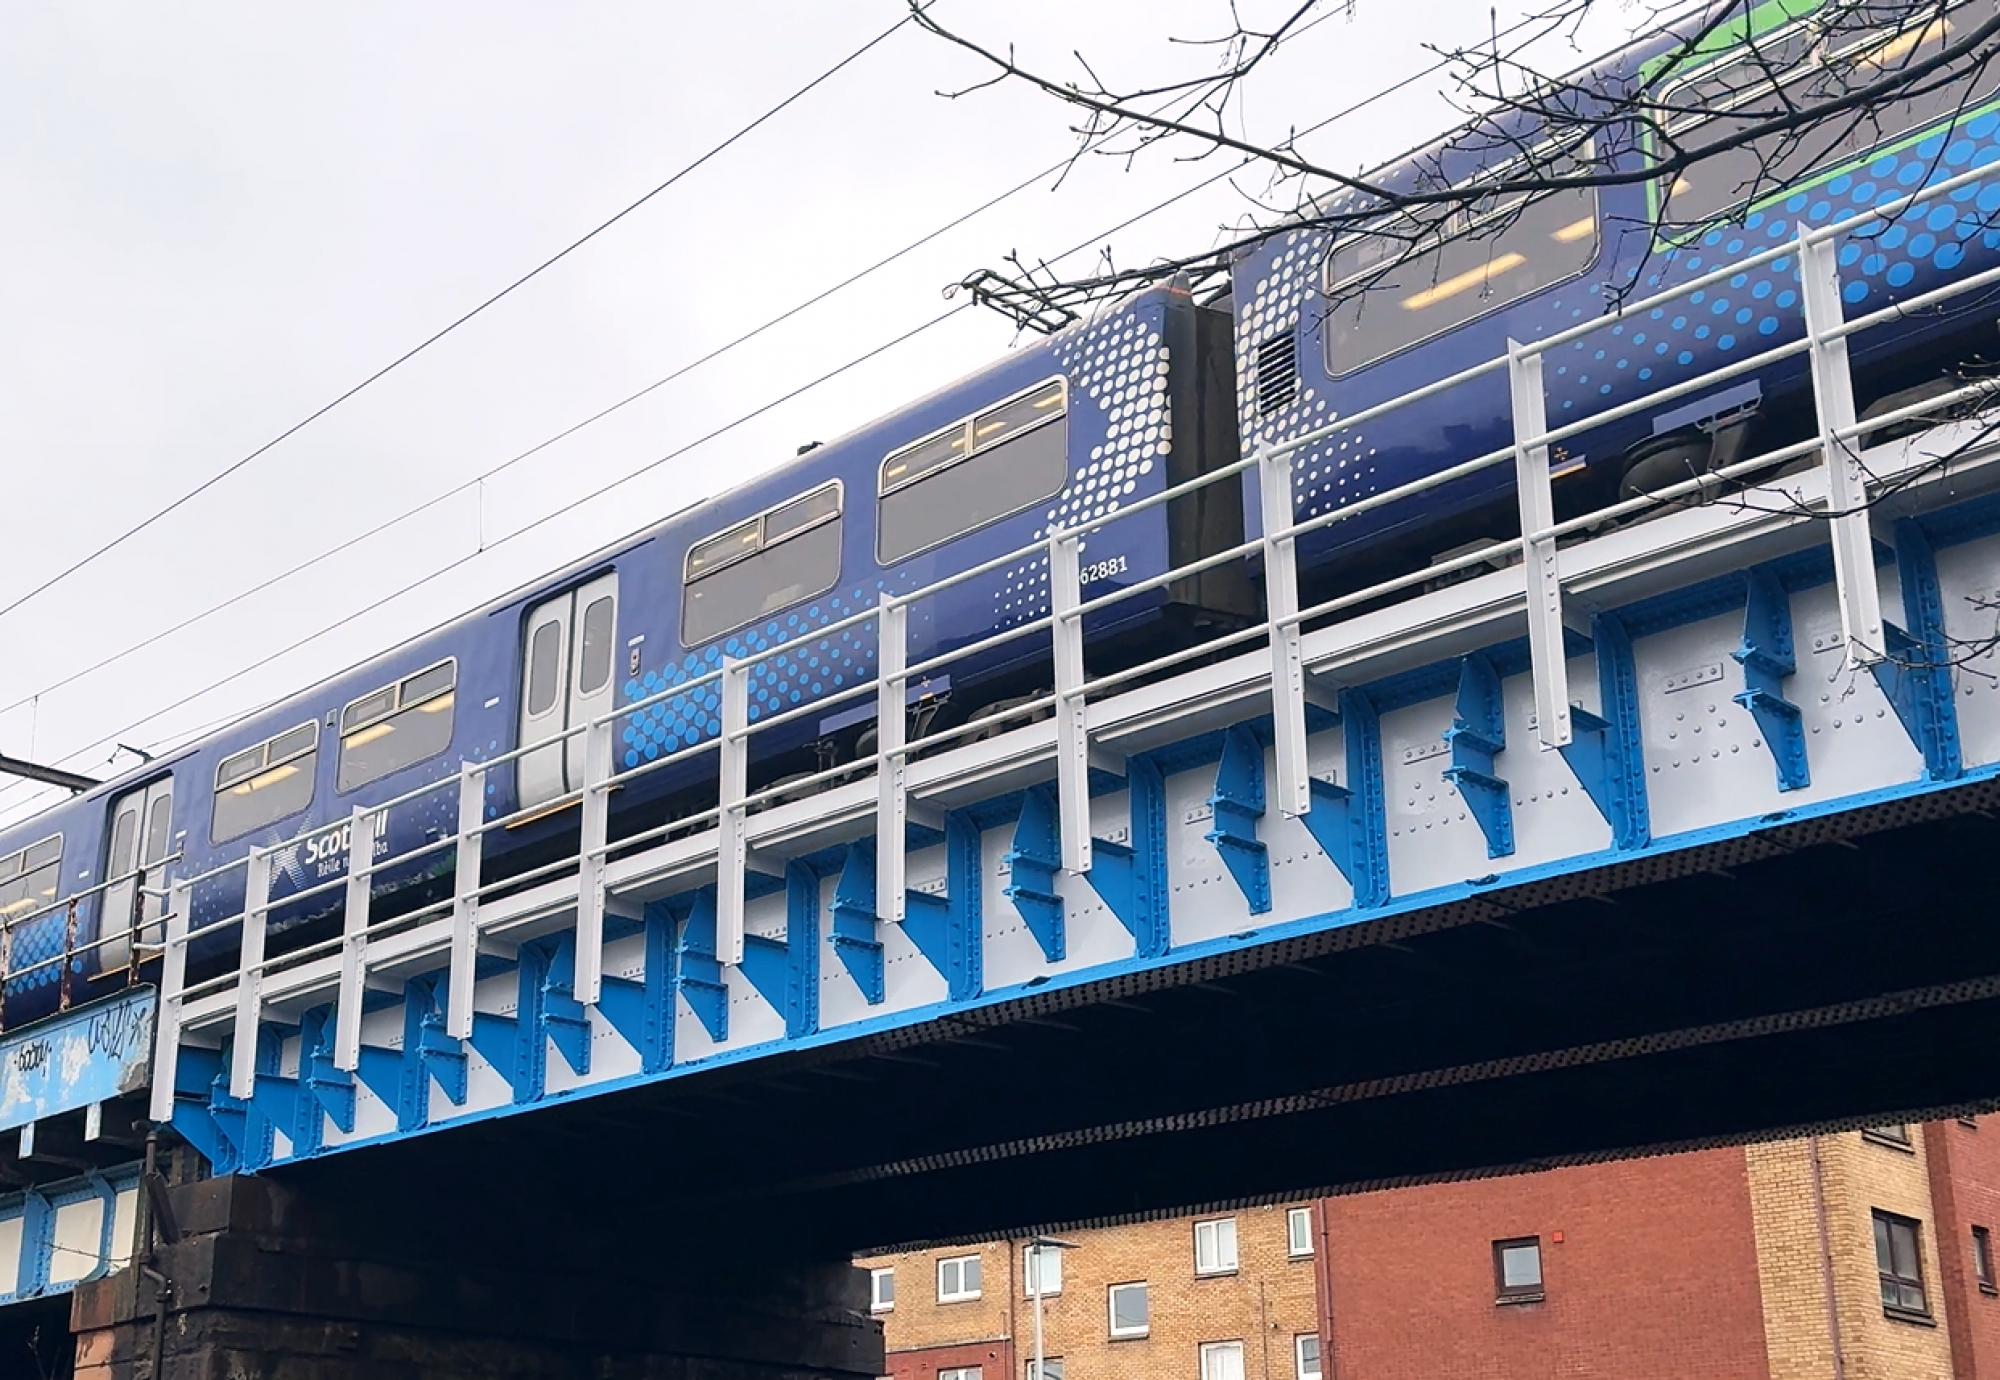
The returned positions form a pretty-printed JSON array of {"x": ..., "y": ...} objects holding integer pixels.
[
  {"x": 118, "y": 1029},
  {"x": 90, "y": 1055},
  {"x": 32, "y": 1056}
]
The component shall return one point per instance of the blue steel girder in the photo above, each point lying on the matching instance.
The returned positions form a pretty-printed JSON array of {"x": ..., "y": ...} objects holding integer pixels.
[
  {"x": 642, "y": 1012},
  {"x": 1238, "y": 805},
  {"x": 1606, "y": 752},
  {"x": 563, "y": 1019},
  {"x": 1915, "y": 675},
  {"x": 702, "y": 984},
  {"x": 1477, "y": 735},
  {"x": 1768, "y": 660},
  {"x": 855, "y": 941},
  {"x": 195, "y": 1075},
  {"x": 1032, "y": 864},
  {"x": 1350, "y": 823},
  {"x": 1131, "y": 878},
  {"x": 946, "y": 928},
  {"x": 326, "y": 1088}
]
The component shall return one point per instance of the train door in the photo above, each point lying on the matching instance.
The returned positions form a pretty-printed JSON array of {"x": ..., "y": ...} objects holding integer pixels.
[
  {"x": 140, "y": 835},
  {"x": 566, "y": 680}
]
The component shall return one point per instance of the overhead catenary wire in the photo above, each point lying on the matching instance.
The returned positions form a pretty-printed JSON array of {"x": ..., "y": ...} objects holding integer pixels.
[
  {"x": 551, "y": 261},
  {"x": 438, "y": 572},
  {"x": 681, "y": 371}
]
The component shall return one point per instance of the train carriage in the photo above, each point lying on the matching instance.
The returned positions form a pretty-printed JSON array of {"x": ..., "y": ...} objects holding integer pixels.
[
  {"x": 1331, "y": 323},
  {"x": 1055, "y": 434}
]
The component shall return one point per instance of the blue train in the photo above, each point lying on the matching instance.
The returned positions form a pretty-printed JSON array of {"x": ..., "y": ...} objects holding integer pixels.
[{"x": 1151, "y": 393}]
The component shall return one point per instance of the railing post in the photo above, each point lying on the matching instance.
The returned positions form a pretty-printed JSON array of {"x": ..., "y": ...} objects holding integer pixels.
[
  {"x": 354, "y": 940},
  {"x": 1855, "y": 585},
  {"x": 732, "y": 849},
  {"x": 167, "y": 1016},
  {"x": 1281, "y": 605},
  {"x": 892, "y": 768},
  {"x": 250, "y": 973},
  {"x": 596, "y": 829},
  {"x": 1072, "y": 717},
  {"x": 1549, "y": 662},
  {"x": 465, "y": 900}
]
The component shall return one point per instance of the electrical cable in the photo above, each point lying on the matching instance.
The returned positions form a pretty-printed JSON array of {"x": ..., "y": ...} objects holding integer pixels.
[
  {"x": 432, "y": 339},
  {"x": 438, "y": 572}
]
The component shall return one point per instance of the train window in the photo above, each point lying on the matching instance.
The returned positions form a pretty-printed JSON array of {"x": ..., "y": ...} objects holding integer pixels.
[
  {"x": 594, "y": 668},
  {"x": 544, "y": 667},
  {"x": 264, "y": 784},
  {"x": 396, "y": 726},
  {"x": 368, "y": 708},
  {"x": 771, "y": 562},
  {"x": 992, "y": 464},
  {"x": 1821, "y": 60},
  {"x": 1382, "y": 301},
  {"x": 28, "y": 878}
]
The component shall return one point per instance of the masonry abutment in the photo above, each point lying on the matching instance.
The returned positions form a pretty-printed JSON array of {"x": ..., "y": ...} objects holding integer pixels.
[{"x": 272, "y": 1279}]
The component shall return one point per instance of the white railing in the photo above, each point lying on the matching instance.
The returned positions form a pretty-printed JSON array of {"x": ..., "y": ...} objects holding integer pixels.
[{"x": 717, "y": 838}]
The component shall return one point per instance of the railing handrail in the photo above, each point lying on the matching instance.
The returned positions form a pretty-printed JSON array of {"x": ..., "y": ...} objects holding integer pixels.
[{"x": 893, "y": 676}]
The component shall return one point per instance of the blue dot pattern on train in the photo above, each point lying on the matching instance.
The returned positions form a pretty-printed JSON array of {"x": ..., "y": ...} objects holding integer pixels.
[
  {"x": 815, "y": 667},
  {"x": 1667, "y": 343}
]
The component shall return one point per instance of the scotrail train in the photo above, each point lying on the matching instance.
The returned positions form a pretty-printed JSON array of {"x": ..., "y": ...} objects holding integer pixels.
[{"x": 1152, "y": 392}]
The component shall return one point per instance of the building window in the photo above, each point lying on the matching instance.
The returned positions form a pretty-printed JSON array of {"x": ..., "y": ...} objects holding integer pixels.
[
  {"x": 1041, "y": 1271},
  {"x": 1215, "y": 1246},
  {"x": 959, "y": 1373},
  {"x": 882, "y": 1291},
  {"x": 1897, "y": 1135},
  {"x": 1982, "y": 1259},
  {"x": 1299, "y": 1232},
  {"x": 978, "y": 470},
  {"x": 1222, "y": 1361},
  {"x": 1052, "y": 1369},
  {"x": 264, "y": 784},
  {"x": 1305, "y": 1347},
  {"x": 1517, "y": 1270},
  {"x": 958, "y": 1279},
  {"x": 770, "y": 562},
  {"x": 1130, "y": 1309},
  {"x": 397, "y": 726},
  {"x": 1899, "y": 1262}
]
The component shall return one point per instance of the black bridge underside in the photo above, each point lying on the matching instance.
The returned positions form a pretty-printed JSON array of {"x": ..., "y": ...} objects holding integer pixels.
[{"x": 1817, "y": 974}]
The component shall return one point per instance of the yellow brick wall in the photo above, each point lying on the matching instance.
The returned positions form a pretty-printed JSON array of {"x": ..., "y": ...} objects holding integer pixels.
[
  {"x": 919, "y": 1320},
  {"x": 1265, "y": 1303},
  {"x": 1857, "y": 1176}
]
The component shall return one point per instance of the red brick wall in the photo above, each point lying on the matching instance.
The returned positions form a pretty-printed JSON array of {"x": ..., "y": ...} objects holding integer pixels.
[
  {"x": 1965, "y": 1191},
  {"x": 995, "y": 1360},
  {"x": 1655, "y": 1276}
]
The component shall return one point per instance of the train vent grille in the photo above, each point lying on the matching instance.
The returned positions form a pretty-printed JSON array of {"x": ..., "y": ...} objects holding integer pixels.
[{"x": 1277, "y": 372}]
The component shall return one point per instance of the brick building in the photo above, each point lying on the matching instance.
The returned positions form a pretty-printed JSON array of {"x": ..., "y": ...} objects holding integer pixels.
[{"x": 1851, "y": 1256}]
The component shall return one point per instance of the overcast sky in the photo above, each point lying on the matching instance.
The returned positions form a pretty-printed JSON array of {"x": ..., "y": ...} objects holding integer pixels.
[{"x": 219, "y": 217}]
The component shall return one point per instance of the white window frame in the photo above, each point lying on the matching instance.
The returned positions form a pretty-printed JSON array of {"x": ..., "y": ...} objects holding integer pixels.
[
  {"x": 1218, "y": 1266},
  {"x": 398, "y": 703},
  {"x": 960, "y": 1373},
  {"x": 1037, "y": 1263},
  {"x": 961, "y": 1294},
  {"x": 1111, "y": 1327},
  {"x": 1052, "y": 1367},
  {"x": 875, "y": 1278},
  {"x": 970, "y": 450},
  {"x": 1299, "y": 1357},
  {"x": 1214, "y": 1349},
  {"x": 265, "y": 764},
  {"x": 1298, "y": 1244},
  {"x": 689, "y": 578}
]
